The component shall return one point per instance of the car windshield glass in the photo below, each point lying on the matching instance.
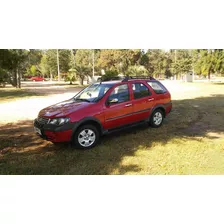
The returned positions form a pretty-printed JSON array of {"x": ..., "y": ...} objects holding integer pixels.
[{"x": 93, "y": 92}]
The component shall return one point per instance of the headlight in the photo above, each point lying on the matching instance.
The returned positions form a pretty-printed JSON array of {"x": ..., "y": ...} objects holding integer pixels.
[{"x": 59, "y": 121}]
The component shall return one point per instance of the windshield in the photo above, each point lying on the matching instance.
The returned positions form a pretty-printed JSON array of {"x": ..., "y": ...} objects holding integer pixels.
[{"x": 93, "y": 93}]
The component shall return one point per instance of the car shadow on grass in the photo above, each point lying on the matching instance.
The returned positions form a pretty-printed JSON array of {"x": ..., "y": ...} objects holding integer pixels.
[{"x": 22, "y": 152}]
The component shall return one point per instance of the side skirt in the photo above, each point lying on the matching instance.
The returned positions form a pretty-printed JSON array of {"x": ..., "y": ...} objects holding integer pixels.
[{"x": 124, "y": 127}]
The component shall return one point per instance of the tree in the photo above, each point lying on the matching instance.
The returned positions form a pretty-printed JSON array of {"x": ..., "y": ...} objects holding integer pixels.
[
  {"x": 82, "y": 72},
  {"x": 207, "y": 62},
  {"x": 220, "y": 61},
  {"x": 83, "y": 64},
  {"x": 83, "y": 58},
  {"x": 71, "y": 75},
  {"x": 64, "y": 59},
  {"x": 155, "y": 61},
  {"x": 137, "y": 70},
  {"x": 31, "y": 65},
  {"x": 33, "y": 70},
  {"x": 14, "y": 62},
  {"x": 118, "y": 60},
  {"x": 51, "y": 60},
  {"x": 48, "y": 63},
  {"x": 182, "y": 62},
  {"x": 3, "y": 77},
  {"x": 44, "y": 66}
]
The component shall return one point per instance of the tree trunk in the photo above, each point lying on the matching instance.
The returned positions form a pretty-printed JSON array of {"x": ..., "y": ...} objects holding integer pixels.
[
  {"x": 19, "y": 79},
  {"x": 13, "y": 81},
  {"x": 209, "y": 74},
  {"x": 82, "y": 81},
  {"x": 50, "y": 76},
  {"x": 16, "y": 78}
]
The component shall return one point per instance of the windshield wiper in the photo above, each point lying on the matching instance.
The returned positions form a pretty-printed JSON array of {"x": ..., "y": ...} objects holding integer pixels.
[{"x": 84, "y": 100}]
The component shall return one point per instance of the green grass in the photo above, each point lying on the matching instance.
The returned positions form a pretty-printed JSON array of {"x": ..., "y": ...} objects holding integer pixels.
[
  {"x": 11, "y": 94},
  {"x": 191, "y": 141}
]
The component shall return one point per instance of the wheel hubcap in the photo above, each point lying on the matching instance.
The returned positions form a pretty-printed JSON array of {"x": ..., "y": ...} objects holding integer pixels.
[
  {"x": 158, "y": 117},
  {"x": 86, "y": 137}
]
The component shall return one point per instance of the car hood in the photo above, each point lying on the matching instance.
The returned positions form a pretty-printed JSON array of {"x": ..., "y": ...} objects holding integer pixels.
[{"x": 63, "y": 108}]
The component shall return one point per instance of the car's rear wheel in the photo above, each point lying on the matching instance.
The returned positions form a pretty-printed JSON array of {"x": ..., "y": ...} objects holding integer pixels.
[
  {"x": 156, "y": 119},
  {"x": 86, "y": 137}
]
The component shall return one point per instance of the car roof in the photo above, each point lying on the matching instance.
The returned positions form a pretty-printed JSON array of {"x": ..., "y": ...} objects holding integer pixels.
[
  {"x": 110, "y": 82},
  {"x": 120, "y": 81},
  {"x": 114, "y": 80}
]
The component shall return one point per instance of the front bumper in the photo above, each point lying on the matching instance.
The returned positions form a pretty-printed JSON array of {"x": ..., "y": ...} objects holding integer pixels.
[{"x": 54, "y": 133}]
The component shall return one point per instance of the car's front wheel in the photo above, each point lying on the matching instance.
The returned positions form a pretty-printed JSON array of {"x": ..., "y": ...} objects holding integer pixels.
[
  {"x": 86, "y": 137},
  {"x": 156, "y": 119}
]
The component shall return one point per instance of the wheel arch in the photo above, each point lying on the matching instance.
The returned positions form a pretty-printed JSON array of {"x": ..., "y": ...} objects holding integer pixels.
[
  {"x": 159, "y": 106},
  {"x": 87, "y": 120}
]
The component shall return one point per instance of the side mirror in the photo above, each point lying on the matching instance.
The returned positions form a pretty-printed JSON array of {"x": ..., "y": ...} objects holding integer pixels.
[{"x": 114, "y": 100}]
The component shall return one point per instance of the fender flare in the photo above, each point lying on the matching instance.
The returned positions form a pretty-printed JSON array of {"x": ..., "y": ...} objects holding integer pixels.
[
  {"x": 86, "y": 120},
  {"x": 156, "y": 107}
]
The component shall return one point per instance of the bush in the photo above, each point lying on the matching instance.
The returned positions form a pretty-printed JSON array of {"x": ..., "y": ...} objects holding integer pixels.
[
  {"x": 168, "y": 73},
  {"x": 110, "y": 74},
  {"x": 137, "y": 70}
]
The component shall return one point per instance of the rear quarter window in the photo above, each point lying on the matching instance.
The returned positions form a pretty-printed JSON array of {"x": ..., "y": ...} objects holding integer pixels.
[{"x": 157, "y": 87}]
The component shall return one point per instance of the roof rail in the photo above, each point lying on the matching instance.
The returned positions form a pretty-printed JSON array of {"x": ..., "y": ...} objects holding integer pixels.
[{"x": 127, "y": 78}]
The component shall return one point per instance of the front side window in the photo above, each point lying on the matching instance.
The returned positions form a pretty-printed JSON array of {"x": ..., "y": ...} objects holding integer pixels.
[
  {"x": 140, "y": 90},
  {"x": 157, "y": 87},
  {"x": 93, "y": 93},
  {"x": 119, "y": 94}
]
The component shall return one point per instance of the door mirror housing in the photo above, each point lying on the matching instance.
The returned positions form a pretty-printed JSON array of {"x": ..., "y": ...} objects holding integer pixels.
[{"x": 114, "y": 100}]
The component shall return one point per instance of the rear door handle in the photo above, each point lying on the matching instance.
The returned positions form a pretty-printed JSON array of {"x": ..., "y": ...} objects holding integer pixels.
[
  {"x": 151, "y": 99},
  {"x": 128, "y": 105}
]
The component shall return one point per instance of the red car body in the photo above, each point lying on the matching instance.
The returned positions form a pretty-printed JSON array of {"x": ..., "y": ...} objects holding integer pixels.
[
  {"x": 105, "y": 117},
  {"x": 37, "y": 78}
]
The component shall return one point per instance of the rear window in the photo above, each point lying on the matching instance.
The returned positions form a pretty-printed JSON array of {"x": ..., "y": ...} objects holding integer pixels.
[{"x": 157, "y": 87}]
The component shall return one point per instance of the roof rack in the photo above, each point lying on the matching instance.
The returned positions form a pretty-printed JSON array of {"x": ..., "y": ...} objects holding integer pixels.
[{"x": 125, "y": 78}]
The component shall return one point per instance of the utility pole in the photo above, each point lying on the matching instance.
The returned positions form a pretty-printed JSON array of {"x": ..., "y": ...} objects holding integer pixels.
[{"x": 59, "y": 78}]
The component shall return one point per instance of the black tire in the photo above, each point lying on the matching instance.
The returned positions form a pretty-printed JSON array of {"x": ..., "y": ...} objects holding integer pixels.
[
  {"x": 152, "y": 122},
  {"x": 78, "y": 135}
]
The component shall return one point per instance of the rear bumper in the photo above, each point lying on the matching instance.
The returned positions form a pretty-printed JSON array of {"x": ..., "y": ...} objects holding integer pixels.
[
  {"x": 54, "y": 133},
  {"x": 168, "y": 107}
]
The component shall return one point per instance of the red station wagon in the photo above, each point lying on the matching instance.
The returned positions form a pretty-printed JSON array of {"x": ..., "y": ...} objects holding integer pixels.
[{"x": 104, "y": 107}]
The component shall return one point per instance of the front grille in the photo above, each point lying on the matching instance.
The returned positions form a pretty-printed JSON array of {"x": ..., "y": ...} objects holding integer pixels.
[{"x": 43, "y": 120}]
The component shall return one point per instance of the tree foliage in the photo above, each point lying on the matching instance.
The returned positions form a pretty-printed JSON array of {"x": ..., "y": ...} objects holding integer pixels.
[
  {"x": 82, "y": 72},
  {"x": 118, "y": 60},
  {"x": 13, "y": 63},
  {"x": 82, "y": 63},
  {"x": 137, "y": 70}
]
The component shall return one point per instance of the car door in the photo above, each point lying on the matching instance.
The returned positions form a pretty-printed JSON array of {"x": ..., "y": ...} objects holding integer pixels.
[
  {"x": 143, "y": 101},
  {"x": 118, "y": 107}
]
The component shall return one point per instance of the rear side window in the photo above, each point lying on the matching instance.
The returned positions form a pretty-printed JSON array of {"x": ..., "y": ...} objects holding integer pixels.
[
  {"x": 157, "y": 87},
  {"x": 140, "y": 90}
]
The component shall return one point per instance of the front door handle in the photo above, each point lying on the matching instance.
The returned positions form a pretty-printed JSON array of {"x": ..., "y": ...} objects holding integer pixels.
[
  {"x": 151, "y": 99},
  {"x": 128, "y": 105}
]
